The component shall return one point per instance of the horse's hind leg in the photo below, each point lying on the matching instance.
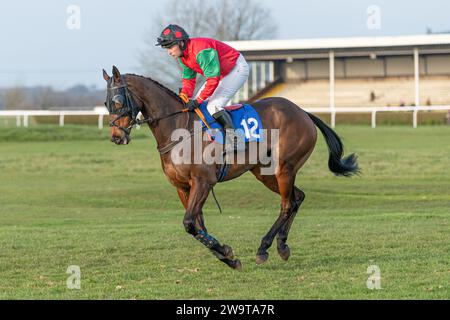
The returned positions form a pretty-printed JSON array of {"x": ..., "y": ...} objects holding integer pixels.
[
  {"x": 282, "y": 247},
  {"x": 285, "y": 178},
  {"x": 297, "y": 198}
]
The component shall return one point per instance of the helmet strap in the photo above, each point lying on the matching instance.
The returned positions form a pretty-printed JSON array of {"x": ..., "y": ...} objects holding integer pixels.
[{"x": 182, "y": 44}]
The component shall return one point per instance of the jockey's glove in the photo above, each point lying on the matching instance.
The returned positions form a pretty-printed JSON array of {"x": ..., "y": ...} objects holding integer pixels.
[
  {"x": 184, "y": 97},
  {"x": 192, "y": 104}
]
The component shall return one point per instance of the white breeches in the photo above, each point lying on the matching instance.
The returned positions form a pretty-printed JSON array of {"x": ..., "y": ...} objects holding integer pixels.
[{"x": 228, "y": 86}]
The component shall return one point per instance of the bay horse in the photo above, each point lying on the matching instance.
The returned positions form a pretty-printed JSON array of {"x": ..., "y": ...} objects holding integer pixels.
[{"x": 163, "y": 110}]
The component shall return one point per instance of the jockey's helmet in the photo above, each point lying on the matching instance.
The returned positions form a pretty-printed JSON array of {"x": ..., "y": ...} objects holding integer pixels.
[{"x": 171, "y": 35}]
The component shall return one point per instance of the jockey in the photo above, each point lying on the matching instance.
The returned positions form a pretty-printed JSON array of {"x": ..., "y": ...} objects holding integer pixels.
[{"x": 224, "y": 68}]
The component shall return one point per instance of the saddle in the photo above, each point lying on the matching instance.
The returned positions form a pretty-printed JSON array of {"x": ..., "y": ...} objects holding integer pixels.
[
  {"x": 246, "y": 122},
  {"x": 233, "y": 107}
]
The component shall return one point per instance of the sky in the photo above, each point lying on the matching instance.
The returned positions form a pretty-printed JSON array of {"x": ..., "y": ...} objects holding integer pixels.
[{"x": 41, "y": 43}]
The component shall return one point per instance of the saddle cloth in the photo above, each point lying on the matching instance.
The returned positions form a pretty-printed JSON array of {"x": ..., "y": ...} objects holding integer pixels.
[{"x": 246, "y": 121}]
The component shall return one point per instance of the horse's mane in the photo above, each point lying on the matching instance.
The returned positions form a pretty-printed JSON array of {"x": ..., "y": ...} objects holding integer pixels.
[{"x": 167, "y": 90}]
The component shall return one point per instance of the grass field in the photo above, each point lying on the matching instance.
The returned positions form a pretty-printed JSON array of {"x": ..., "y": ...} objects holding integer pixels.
[{"x": 70, "y": 197}]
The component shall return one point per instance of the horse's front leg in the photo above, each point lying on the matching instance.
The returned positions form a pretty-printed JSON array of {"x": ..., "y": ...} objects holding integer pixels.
[
  {"x": 184, "y": 197},
  {"x": 197, "y": 196}
]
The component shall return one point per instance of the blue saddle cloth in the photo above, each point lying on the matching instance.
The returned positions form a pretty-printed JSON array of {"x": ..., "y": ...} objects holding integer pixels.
[{"x": 246, "y": 121}]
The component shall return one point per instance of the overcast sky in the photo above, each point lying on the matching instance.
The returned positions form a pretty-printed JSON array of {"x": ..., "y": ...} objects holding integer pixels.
[{"x": 37, "y": 47}]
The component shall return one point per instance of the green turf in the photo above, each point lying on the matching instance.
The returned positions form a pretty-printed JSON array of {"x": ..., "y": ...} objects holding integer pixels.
[{"x": 83, "y": 201}]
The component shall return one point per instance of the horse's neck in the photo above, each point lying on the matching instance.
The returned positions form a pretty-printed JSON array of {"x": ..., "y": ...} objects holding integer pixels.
[{"x": 159, "y": 103}]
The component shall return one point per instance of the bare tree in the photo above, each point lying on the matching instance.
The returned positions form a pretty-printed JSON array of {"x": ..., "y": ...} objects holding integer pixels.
[
  {"x": 242, "y": 20},
  {"x": 225, "y": 20},
  {"x": 15, "y": 98},
  {"x": 42, "y": 97}
]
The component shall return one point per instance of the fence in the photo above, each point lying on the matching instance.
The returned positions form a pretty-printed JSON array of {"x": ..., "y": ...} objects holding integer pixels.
[
  {"x": 374, "y": 110},
  {"x": 22, "y": 116}
]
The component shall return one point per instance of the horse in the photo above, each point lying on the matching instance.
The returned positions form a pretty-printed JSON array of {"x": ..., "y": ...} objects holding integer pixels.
[{"x": 164, "y": 111}]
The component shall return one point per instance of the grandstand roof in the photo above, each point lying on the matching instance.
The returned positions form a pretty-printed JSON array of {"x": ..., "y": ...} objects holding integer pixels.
[
  {"x": 335, "y": 43},
  {"x": 389, "y": 45}
]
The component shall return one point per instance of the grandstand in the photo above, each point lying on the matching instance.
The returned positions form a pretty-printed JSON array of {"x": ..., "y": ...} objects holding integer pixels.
[
  {"x": 377, "y": 91},
  {"x": 350, "y": 72}
]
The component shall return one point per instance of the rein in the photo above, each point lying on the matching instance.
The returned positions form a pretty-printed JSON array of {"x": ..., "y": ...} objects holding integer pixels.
[{"x": 130, "y": 109}]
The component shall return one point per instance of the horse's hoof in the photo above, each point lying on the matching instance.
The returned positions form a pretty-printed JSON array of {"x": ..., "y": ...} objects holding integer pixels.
[
  {"x": 261, "y": 258},
  {"x": 237, "y": 265},
  {"x": 284, "y": 252},
  {"x": 229, "y": 254}
]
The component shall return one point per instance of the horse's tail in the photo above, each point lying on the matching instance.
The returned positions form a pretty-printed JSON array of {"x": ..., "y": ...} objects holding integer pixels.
[{"x": 339, "y": 166}]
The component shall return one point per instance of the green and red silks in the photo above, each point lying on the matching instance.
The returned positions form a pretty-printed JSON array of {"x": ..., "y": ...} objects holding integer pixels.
[{"x": 212, "y": 59}]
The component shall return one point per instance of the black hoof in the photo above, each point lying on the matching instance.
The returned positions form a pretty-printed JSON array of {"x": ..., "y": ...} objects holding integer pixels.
[
  {"x": 234, "y": 264},
  {"x": 261, "y": 258},
  {"x": 284, "y": 252},
  {"x": 237, "y": 265}
]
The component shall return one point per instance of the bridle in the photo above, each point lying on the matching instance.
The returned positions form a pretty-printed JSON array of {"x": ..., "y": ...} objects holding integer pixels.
[{"x": 123, "y": 96}]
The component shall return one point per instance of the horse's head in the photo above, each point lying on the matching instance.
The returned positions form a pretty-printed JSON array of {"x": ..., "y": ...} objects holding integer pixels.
[{"x": 121, "y": 106}]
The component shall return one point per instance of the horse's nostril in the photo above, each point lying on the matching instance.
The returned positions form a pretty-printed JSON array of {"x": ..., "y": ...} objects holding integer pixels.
[{"x": 120, "y": 140}]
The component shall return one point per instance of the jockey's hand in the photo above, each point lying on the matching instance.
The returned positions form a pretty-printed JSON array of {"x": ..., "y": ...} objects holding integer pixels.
[
  {"x": 184, "y": 97},
  {"x": 192, "y": 104}
]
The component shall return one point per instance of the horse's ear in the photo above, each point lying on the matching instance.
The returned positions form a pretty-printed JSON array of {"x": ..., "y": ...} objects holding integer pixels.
[
  {"x": 105, "y": 75},
  {"x": 116, "y": 74}
]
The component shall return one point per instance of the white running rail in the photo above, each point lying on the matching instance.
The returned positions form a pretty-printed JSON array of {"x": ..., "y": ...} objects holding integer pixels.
[{"x": 22, "y": 116}]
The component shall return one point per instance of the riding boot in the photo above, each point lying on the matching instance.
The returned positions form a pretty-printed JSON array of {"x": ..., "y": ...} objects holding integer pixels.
[{"x": 224, "y": 119}]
